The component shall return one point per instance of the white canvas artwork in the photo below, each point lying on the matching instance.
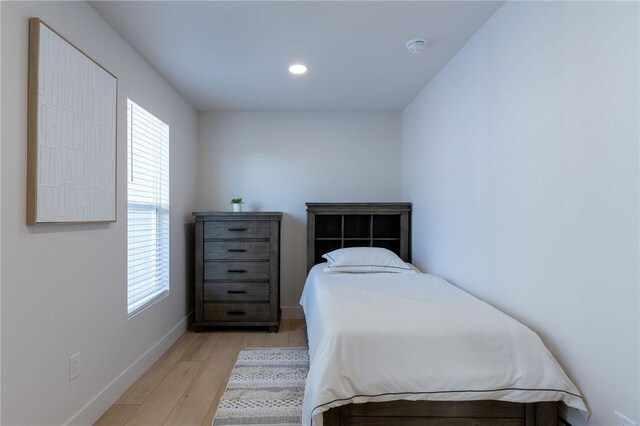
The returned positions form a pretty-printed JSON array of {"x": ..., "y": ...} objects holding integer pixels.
[{"x": 75, "y": 141}]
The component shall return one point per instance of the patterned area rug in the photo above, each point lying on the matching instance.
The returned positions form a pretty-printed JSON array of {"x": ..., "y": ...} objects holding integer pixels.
[{"x": 265, "y": 388}]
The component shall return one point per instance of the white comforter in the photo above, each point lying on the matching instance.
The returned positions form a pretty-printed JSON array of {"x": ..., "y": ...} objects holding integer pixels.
[{"x": 383, "y": 337}]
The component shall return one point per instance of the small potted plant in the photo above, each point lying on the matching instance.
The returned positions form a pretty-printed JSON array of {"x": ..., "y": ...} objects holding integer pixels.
[{"x": 236, "y": 204}]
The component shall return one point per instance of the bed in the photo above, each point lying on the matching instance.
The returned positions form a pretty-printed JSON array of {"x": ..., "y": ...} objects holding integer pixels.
[{"x": 461, "y": 361}]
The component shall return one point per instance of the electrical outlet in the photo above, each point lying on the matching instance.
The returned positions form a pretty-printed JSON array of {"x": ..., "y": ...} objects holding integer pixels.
[
  {"x": 624, "y": 420},
  {"x": 74, "y": 366}
]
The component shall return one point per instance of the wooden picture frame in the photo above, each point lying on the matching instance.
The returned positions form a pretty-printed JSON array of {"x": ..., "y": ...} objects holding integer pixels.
[{"x": 71, "y": 133}]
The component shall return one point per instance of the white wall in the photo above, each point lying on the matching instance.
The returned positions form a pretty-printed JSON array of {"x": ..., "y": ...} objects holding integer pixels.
[
  {"x": 64, "y": 286},
  {"x": 521, "y": 159},
  {"x": 279, "y": 161}
]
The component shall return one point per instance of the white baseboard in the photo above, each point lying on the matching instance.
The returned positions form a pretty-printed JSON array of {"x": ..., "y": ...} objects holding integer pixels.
[
  {"x": 292, "y": 312},
  {"x": 110, "y": 393}
]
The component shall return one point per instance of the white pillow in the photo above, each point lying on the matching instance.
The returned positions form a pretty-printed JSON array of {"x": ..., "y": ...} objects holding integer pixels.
[{"x": 365, "y": 259}]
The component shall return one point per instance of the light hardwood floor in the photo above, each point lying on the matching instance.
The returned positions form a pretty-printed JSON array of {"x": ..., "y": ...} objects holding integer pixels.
[{"x": 183, "y": 387}]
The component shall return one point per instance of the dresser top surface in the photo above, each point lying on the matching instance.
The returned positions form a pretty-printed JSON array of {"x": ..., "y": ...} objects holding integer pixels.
[{"x": 237, "y": 215}]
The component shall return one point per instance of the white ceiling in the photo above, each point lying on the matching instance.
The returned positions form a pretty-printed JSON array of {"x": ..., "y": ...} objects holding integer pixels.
[{"x": 234, "y": 55}]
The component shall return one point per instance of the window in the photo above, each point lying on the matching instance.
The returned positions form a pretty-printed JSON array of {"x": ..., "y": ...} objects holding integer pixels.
[{"x": 147, "y": 208}]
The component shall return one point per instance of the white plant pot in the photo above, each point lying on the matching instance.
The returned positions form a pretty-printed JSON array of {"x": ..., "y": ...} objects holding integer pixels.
[{"x": 237, "y": 207}]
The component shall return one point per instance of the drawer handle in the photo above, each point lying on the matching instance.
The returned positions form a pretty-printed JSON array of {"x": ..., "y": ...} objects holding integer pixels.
[
  {"x": 236, "y": 250},
  {"x": 235, "y": 313},
  {"x": 236, "y": 271},
  {"x": 236, "y": 291},
  {"x": 236, "y": 229}
]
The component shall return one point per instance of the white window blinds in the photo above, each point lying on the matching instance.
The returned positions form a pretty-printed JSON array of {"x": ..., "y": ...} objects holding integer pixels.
[{"x": 148, "y": 208}]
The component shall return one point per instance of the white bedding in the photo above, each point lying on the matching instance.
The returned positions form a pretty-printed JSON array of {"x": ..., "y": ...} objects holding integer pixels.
[{"x": 383, "y": 337}]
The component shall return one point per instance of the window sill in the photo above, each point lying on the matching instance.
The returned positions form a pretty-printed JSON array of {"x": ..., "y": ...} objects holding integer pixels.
[{"x": 147, "y": 303}]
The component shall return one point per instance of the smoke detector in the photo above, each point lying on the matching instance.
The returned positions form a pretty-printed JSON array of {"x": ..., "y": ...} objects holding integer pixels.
[{"x": 416, "y": 45}]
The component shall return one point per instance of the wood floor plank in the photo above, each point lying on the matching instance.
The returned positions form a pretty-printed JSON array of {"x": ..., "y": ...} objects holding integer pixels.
[
  {"x": 194, "y": 404},
  {"x": 279, "y": 339},
  {"x": 184, "y": 386},
  {"x": 298, "y": 334},
  {"x": 117, "y": 415},
  {"x": 254, "y": 339},
  {"x": 156, "y": 408},
  {"x": 208, "y": 420},
  {"x": 142, "y": 388},
  {"x": 201, "y": 349}
]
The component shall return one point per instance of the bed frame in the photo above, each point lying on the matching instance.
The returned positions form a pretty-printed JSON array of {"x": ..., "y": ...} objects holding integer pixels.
[
  {"x": 335, "y": 225},
  {"x": 331, "y": 226}
]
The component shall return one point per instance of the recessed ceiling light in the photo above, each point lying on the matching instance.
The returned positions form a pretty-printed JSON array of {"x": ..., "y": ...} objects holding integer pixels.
[
  {"x": 297, "y": 69},
  {"x": 416, "y": 45}
]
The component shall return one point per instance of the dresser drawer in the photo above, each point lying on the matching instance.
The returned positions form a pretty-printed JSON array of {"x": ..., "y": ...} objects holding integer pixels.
[
  {"x": 237, "y": 229},
  {"x": 237, "y": 312},
  {"x": 240, "y": 271},
  {"x": 236, "y": 292},
  {"x": 236, "y": 250}
]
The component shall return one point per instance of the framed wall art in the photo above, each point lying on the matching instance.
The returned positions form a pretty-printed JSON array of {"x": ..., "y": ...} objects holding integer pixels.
[{"x": 71, "y": 147}]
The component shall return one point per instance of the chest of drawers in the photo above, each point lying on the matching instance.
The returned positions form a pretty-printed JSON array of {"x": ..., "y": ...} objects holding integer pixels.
[{"x": 237, "y": 269}]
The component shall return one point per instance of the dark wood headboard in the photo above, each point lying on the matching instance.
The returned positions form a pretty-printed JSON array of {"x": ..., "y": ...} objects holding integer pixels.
[{"x": 331, "y": 226}]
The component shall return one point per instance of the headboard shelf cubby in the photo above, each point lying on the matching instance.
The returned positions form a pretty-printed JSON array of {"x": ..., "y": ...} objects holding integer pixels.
[{"x": 331, "y": 226}]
